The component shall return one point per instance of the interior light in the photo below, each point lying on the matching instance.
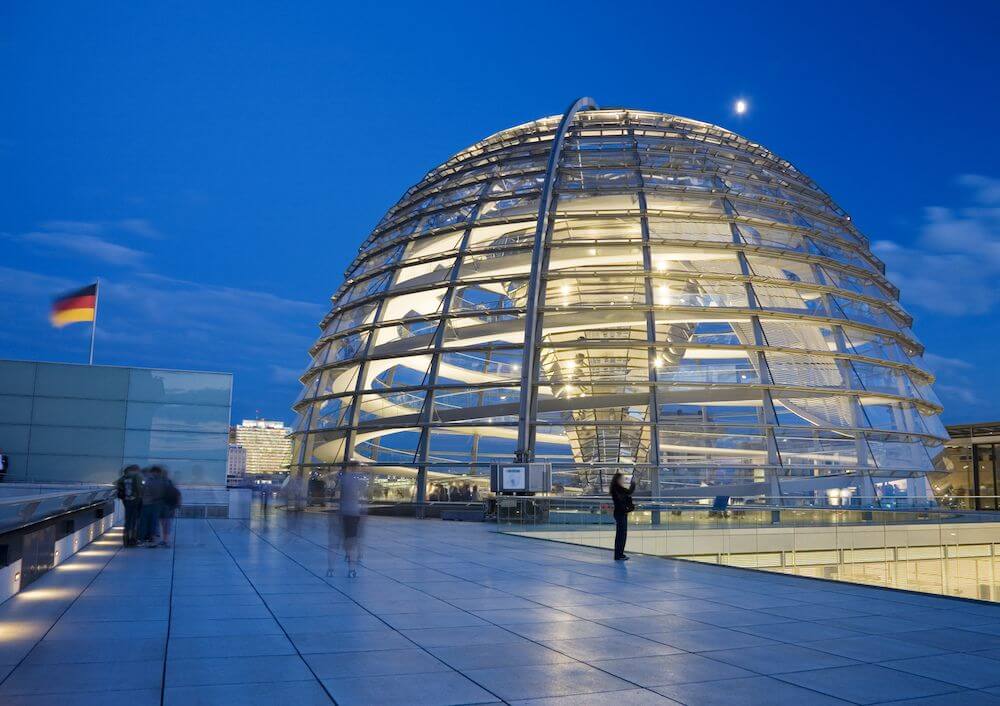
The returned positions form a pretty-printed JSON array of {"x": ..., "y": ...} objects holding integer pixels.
[
  {"x": 661, "y": 265},
  {"x": 592, "y": 251},
  {"x": 564, "y": 289},
  {"x": 658, "y": 363}
]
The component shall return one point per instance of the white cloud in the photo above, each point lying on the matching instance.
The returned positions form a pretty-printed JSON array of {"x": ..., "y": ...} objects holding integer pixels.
[
  {"x": 283, "y": 374},
  {"x": 68, "y": 244},
  {"x": 140, "y": 227},
  {"x": 940, "y": 364},
  {"x": 953, "y": 267},
  {"x": 149, "y": 319},
  {"x": 92, "y": 240}
]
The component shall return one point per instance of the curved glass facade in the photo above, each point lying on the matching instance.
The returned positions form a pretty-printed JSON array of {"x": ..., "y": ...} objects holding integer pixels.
[{"x": 668, "y": 298}]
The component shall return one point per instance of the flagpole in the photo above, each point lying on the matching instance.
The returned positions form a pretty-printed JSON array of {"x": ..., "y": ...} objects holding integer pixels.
[{"x": 93, "y": 327}]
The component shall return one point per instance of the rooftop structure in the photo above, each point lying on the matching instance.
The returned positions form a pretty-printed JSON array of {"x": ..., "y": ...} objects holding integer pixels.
[
  {"x": 621, "y": 289},
  {"x": 83, "y": 423}
]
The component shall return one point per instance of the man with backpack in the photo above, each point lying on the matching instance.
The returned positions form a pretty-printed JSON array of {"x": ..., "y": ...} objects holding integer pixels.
[{"x": 129, "y": 487}]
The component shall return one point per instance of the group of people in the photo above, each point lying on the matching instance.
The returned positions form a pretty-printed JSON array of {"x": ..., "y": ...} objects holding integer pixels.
[
  {"x": 151, "y": 500},
  {"x": 456, "y": 493}
]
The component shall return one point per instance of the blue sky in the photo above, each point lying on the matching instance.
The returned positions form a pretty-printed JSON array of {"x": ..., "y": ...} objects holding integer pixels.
[{"x": 218, "y": 164}]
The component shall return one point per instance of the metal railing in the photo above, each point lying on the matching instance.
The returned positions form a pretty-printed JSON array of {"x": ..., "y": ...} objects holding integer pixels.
[
  {"x": 932, "y": 549},
  {"x": 25, "y": 504}
]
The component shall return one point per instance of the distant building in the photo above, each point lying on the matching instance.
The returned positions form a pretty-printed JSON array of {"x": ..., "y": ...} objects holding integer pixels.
[
  {"x": 236, "y": 466},
  {"x": 971, "y": 480},
  {"x": 267, "y": 446}
]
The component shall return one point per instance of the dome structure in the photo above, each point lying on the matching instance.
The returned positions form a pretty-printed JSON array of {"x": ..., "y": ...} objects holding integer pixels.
[{"x": 620, "y": 289}]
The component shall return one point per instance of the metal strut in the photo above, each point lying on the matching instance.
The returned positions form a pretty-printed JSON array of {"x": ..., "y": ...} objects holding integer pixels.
[{"x": 529, "y": 361}]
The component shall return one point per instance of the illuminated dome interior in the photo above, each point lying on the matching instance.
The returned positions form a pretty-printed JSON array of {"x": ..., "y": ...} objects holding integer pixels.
[{"x": 621, "y": 289}]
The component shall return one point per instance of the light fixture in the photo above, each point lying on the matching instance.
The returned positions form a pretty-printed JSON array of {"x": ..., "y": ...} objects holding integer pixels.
[
  {"x": 564, "y": 289},
  {"x": 661, "y": 265}
]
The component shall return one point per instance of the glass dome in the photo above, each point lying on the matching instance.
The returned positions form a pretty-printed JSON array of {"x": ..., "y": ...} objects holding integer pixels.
[{"x": 620, "y": 289}]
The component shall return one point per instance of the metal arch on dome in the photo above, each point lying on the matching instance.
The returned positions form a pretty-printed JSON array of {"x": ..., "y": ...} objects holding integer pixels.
[{"x": 527, "y": 401}]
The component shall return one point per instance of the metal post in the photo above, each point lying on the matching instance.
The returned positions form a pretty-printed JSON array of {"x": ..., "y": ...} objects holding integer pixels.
[
  {"x": 529, "y": 393},
  {"x": 93, "y": 324},
  {"x": 651, "y": 341}
]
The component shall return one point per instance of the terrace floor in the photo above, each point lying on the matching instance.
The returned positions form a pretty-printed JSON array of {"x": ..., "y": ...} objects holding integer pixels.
[{"x": 452, "y": 613}]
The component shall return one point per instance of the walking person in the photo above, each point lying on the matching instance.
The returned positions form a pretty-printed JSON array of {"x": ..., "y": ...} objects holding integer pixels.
[
  {"x": 351, "y": 510},
  {"x": 621, "y": 495},
  {"x": 171, "y": 501},
  {"x": 152, "y": 506},
  {"x": 129, "y": 488}
]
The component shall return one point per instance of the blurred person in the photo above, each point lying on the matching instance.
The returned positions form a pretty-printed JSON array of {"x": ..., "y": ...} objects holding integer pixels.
[
  {"x": 152, "y": 506},
  {"x": 351, "y": 510},
  {"x": 129, "y": 487},
  {"x": 171, "y": 501},
  {"x": 475, "y": 493},
  {"x": 621, "y": 496}
]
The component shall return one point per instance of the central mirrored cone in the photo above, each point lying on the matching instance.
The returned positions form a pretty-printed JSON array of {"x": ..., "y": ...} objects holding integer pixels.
[{"x": 620, "y": 289}]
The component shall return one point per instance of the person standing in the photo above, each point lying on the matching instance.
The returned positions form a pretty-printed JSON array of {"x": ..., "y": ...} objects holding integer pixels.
[
  {"x": 171, "y": 501},
  {"x": 152, "y": 506},
  {"x": 621, "y": 496},
  {"x": 129, "y": 487},
  {"x": 351, "y": 509}
]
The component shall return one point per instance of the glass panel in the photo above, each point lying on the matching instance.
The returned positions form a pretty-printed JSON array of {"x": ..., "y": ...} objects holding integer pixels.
[
  {"x": 186, "y": 471},
  {"x": 93, "y": 382},
  {"x": 176, "y": 417},
  {"x": 180, "y": 387},
  {"x": 173, "y": 444},
  {"x": 71, "y": 468},
  {"x": 14, "y": 438},
  {"x": 76, "y": 441},
  {"x": 15, "y": 410},
  {"x": 79, "y": 413},
  {"x": 16, "y": 377}
]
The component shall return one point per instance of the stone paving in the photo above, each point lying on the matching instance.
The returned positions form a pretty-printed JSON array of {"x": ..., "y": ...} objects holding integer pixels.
[{"x": 452, "y": 613}]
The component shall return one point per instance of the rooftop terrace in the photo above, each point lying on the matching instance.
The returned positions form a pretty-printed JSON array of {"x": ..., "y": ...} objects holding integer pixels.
[{"x": 449, "y": 613}]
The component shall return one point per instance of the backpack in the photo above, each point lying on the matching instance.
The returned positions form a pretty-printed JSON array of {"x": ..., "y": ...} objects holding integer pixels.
[
  {"x": 128, "y": 488},
  {"x": 171, "y": 496}
]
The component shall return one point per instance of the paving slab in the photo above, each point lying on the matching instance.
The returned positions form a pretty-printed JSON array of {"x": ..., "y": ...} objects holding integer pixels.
[{"x": 442, "y": 613}]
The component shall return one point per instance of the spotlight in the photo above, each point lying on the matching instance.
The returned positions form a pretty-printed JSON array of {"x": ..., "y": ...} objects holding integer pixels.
[{"x": 741, "y": 106}]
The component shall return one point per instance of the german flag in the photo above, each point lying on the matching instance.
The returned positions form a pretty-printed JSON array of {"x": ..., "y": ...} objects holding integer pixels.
[{"x": 72, "y": 307}]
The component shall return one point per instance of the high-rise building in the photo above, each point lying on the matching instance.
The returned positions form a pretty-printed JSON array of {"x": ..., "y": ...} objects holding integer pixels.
[
  {"x": 266, "y": 444},
  {"x": 615, "y": 289},
  {"x": 236, "y": 465}
]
